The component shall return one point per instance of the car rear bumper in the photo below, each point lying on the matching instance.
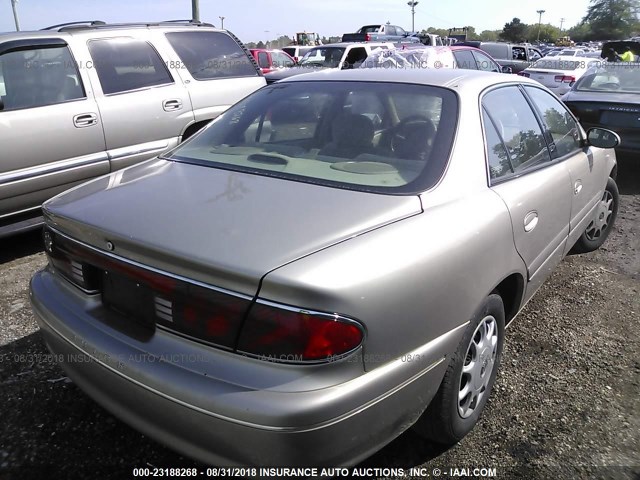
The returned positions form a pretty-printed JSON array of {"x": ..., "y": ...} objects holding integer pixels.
[{"x": 224, "y": 423}]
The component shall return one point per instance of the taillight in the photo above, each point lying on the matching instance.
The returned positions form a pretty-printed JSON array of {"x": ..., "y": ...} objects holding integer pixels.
[
  {"x": 524, "y": 74},
  {"x": 149, "y": 297},
  {"x": 226, "y": 319},
  {"x": 367, "y": 37},
  {"x": 276, "y": 333},
  {"x": 564, "y": 79}
]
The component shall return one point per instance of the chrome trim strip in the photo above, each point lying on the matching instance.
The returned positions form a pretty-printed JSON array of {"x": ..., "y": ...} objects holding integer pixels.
[
  {"x": 139, "y": 149},
  {"x": 54, "y": 167}
]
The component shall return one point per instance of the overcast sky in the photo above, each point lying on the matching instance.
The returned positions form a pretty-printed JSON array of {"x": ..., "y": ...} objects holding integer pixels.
[{"x": 255, "y": 20}]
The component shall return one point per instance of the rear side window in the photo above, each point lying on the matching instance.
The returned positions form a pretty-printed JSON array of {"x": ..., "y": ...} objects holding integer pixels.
[
  {"x": 518, "y": 128},
  {"x": 464, "y": 59},
  {"x": 263, "y": 60},
  {"x": 125, "y": 64},
  {"x": 38, "y": 77},
  {"x": 210, "y": 55}
]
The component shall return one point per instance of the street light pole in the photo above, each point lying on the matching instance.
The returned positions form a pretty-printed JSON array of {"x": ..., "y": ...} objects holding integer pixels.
[
  {"x": 540, "y": 12},
  {"x": 195, "y": 10},
  {"x": 412, "y": 4},
  {"x": 15, "y": 14},
  {"x": 221, "y": 22},
  {"x": 561, "y": 23}
]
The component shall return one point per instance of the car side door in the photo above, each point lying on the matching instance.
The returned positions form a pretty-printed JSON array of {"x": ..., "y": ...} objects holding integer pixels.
[
  {"x": 588, "y": 171},
  {"x": 535, "y": 189},
  {"x": 50, "y": 127},
  {"x": 143, "y": 107}
]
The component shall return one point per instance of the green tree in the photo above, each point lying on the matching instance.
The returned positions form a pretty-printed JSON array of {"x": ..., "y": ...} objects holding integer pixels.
[
  {"x": 548, "y": 33},
  {"x": 489, "y": 35},
  {"x": 514, "y": 31},
  {"x": 612, "y": 19},
  {"x": 581, "y": 32}
]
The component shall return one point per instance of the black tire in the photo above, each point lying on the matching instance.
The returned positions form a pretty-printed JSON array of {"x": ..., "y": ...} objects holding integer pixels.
[
  {"x": 442, "y": 422},
  {"x": 593, "y": 237}
]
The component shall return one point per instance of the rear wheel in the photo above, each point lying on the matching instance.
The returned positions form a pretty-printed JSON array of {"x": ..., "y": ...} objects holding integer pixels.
[
  {"x": 469, "y": 378},
  {"x": 602, "y": 222}
]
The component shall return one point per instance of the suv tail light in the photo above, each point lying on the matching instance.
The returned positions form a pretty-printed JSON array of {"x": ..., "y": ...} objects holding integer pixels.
[
  {"x": 367, "y": 37},
  {"x": 276, "y": 333},
  {"x": 565, "y": 78}
]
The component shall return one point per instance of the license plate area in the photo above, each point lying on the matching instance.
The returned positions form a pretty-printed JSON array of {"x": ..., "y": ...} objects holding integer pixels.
[{"x": 128, "y": 298}]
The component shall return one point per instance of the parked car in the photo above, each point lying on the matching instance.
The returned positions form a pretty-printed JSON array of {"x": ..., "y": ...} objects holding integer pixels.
[
  {"x": 343, "y": 55},
  {"x": 434, "y": 205},
  {"x": 270, "y": 60},
  {"x": 609, "y": 96},
  {"x": 85, "y": 99},
  {"x": 557, "y": 73},
  {"x": 381, "y": 33},
  {"x": 433, "y": 57},
  {"x": 571, "y": 52},
  {"x": 516, "y": 56},
  {"x": 296, "y": 51}
]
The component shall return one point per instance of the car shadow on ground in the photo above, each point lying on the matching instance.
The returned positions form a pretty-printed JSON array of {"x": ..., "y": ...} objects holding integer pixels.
[{"x": 20, "y": 245}]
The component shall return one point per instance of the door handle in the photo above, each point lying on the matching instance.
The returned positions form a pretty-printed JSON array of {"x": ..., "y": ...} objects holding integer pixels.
[
  {"x": 85, "y": 120},
  {"x": 173, "y": 104},
  {"x": 577, "y": 187},
  {"x": 530, "y": 221}
]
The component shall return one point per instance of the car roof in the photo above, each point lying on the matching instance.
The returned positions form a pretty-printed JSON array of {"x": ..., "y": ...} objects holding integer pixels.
[
  {"x": 87, "y": 28},
  {"x": 460, "y": 79}
]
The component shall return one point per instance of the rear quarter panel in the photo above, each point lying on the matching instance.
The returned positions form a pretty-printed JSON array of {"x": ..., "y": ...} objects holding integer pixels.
[{"x": 414, "y": 280}]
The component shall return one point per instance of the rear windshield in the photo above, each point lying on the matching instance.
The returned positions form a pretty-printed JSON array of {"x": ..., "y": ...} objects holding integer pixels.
[
  {"x": 392, "y": 138},
  {"x": 611, "y": 77},
  {"x": 328, "y": 57}
]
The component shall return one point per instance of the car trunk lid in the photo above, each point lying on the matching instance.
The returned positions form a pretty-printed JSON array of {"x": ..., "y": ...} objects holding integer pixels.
[{"x": 222, "y": 228}]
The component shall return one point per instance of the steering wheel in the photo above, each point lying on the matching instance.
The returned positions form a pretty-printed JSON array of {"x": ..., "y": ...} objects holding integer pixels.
[
  {"x": 610, "y": 86},
  {"x": 413, "y": 138}
]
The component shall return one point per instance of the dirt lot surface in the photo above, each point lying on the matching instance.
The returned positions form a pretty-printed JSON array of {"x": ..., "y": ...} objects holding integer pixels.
[{"x": 566, "y": 404}]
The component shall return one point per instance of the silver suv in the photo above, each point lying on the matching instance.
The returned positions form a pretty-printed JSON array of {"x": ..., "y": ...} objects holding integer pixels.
[{"x": 82, "y": 100}]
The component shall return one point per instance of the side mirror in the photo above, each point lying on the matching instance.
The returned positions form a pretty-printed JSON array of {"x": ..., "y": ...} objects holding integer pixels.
[
  {"x": 506, "y": 69},
  {"x": 602, "y": 138}
]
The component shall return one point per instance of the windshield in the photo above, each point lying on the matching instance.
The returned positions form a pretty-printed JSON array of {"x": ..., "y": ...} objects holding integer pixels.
[
  {"x": 613, "y": 77},
  {"x": 328, "y": 57},
  {"x": 386, "y": 137}
]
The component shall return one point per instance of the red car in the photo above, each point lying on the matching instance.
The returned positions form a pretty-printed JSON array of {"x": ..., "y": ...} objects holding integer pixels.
[{"x": 271, "y": 59}]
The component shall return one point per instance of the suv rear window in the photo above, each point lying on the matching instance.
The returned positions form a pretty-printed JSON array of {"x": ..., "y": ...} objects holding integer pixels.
[
  {"x": 125, "y": 64},
  {"x": 383, "y": 137},
  {"x": 209, "y": 55}
]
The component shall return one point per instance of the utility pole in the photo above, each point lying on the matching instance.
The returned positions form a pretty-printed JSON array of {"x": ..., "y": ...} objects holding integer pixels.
[
  {"x": 561, "y": 23},
  {"x": 221, "y": 22},
  {"x": 195, "y": 10},
  {"x": 540, "y": 12},
  {"x": 15, "y": 14},
  {"x": 412, "y": 4}
]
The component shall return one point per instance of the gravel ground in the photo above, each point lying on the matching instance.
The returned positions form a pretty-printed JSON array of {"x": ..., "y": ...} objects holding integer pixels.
[{"x": 565, "y": 405}]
